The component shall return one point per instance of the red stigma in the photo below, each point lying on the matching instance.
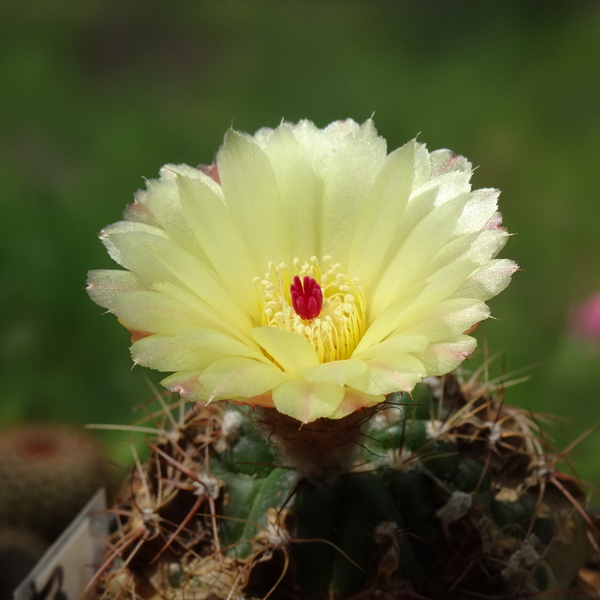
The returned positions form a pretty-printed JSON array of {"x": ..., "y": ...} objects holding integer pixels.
[{"x": 307, "y": 297}]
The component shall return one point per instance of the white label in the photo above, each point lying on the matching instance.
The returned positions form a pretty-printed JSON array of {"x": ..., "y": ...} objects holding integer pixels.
[{"x": 71, "y": 562}]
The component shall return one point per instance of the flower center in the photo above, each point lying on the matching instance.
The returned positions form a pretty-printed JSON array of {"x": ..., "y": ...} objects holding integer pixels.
[{"x": 323, "y": 305}]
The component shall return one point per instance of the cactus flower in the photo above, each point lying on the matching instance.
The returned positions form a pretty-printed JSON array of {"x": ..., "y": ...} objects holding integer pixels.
[{"x": 306, "y": 269}]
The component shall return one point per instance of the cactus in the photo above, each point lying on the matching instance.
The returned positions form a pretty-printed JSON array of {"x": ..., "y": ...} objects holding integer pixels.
[
  {"x": 442, "y": 493},
  {"x": 313, "y": 280},
  {"x": 47, "y": 473}
]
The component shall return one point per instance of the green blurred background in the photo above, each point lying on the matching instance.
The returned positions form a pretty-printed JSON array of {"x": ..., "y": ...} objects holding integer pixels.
[{"x": 97, "y": 94}]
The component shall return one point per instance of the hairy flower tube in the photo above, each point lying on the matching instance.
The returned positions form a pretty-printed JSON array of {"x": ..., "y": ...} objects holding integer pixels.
[{"x": 306, "y": 269}]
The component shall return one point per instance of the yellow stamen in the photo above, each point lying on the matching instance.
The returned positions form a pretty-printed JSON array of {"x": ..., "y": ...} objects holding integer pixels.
[{"x": 338, "y": 328}]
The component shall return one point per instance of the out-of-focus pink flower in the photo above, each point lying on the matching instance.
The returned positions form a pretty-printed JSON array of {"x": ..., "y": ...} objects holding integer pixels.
[{"x": 586, "y": 319}]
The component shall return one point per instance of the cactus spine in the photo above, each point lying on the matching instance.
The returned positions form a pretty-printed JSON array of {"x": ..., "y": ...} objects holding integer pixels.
[{"x": 443, "y": 494}]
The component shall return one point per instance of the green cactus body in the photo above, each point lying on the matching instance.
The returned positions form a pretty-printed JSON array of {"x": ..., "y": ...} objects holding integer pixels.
[{"x": 447, "y": 497}]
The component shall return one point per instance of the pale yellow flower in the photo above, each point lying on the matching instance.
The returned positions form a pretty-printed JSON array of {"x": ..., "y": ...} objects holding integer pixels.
[{"x": 394, "y": 255}]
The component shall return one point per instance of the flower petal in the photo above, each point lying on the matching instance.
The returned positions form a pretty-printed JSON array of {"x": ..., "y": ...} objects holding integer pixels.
[
  {"x": 265, "y": 400},
  {"x": 118, "y": 242},
  {"x": 446, "y": 319},
  {"x": 399, "y": 344},
  {"x": 355, "y": 400},
  {"x": 168, "y": 353},
  {"x": 489, "y": 280},
  {"x": 421, "y": 245},
  {"x": 205, "y": 314},
  {"x": 108, "y": 288},
  {"x": 478, "y": 247},
  {"x": 139, "y": 210},
  {"x": 350, "y": 175},
  {"x": 444, "y": 282},
  {"x": 221, "y": 241},
  {"x": 480, "y": 208},
  {"x": 221, "y": 343},
  {"x": 337, "y": 371},
  {"x": 239, "y": 377},
  {"x": 308, "y": 400},
  {"x": 186, "y": 384},
  {"x": 381, "y": 214},
  {"x": 162, "y": 199},
  {"x": 410, "y": 308},
  {"x": 322, "y": 144},
  {"x": 390, "y": 374},
  {"x": 448, "y": 186},
  {"x": 444, "y": 161},
  {"x": 423, "y": 169},
  {"x": 105, "y": 284},
  {"x": 293, "y": 352},
  {"x": 177, "y": 265},
  {"x": 252, "y": 196},
  {"x": 384, "y": 324},
  {"x": 154, "y": 312},
  {"x": 444, "y": 356},
  {"x": 299, "y": 187}
]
